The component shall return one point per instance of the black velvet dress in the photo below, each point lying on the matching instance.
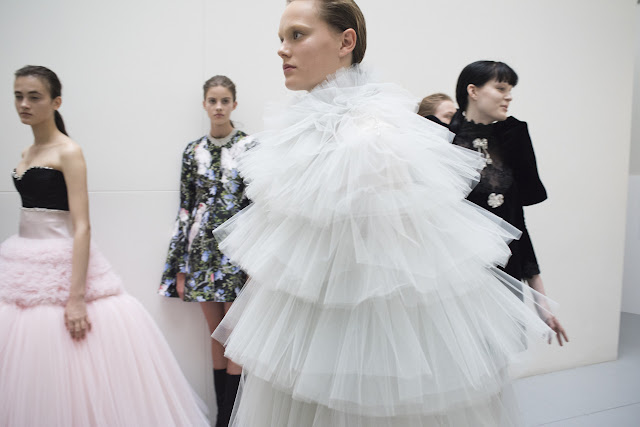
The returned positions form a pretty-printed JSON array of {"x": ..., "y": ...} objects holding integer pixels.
[{"x": 509, "y": 181}]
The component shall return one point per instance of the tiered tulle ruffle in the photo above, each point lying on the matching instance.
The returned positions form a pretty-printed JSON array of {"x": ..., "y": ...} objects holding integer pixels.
[
  {"x": 374, "y": 297},
  {"x": 122, "y": 374}
]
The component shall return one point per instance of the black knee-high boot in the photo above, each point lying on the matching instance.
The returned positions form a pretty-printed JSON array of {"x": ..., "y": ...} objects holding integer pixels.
[
  {"x": 219, "y": 385},
  {"x": 231, "y": 389}
]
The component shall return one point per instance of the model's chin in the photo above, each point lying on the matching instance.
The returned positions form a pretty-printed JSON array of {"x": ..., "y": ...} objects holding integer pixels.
[
  {"x": 292, "y": 83},
  {"x": 500, "y": 117}
]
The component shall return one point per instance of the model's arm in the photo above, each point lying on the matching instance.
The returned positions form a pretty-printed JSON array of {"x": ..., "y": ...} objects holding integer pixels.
[
  {"x": 536, "y": 284},
  {"x": 75, "y": 174}
]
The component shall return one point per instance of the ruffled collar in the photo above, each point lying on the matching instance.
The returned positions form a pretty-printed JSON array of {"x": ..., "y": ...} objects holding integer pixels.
[
  {"x": 355, "y": 75},
  {"x": 469, "y": 127},
  {"x": 221, "y": 142},
  {"x": 349, "y": 95}
]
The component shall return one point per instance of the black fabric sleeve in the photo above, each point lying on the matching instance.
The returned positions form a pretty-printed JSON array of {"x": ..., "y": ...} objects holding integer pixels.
[{"x": 514, "y": 134}]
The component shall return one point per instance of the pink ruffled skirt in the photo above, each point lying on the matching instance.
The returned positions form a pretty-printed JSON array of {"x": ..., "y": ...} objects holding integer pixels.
[{"x": 122, "y": 374}]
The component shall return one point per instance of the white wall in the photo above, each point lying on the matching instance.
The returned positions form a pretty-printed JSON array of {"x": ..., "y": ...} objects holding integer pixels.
[
  {"x": 631, "y": 288},
  {"x": 132, "y": 73}
]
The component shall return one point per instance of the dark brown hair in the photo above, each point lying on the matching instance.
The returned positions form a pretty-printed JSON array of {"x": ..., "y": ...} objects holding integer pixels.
[
  {"x": 223, "y": 81},
  {"x": 51, "y": 81},
  {"x": 342, "y": 15},
  {"x": 429, "y": 104}
]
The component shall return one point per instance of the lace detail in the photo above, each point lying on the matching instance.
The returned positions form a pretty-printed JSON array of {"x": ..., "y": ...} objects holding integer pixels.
[{"x": 497, "y": 176}]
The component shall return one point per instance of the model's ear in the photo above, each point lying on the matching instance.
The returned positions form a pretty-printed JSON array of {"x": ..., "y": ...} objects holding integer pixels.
[
  {"x": 57, "y": 102},
  {"x": 348, "y": 42},
  {"x": 472, "y": 91}
]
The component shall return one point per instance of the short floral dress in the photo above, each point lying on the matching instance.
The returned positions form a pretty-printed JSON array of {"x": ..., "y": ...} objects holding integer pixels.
[{"x": 211, "y": 191}]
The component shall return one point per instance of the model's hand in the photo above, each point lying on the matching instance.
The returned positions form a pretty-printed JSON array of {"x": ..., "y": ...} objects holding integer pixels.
[
  {"x": 180, "y": 279},
  {"x": 75, "y": 318},
  {"x": 554, "y": 324}
]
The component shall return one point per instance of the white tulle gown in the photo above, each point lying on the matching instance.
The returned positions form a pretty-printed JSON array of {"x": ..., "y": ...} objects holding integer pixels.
[{"x": 374, "y": 299}]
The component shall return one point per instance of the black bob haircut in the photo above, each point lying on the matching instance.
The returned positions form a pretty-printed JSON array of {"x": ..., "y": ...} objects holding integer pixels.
[{"x": 479, "y": 73}]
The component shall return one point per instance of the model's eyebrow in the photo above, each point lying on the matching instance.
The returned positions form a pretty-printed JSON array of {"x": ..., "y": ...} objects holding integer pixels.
[
  {"x": 31, "y": 92},
  {"x": 295, "y": 27}
]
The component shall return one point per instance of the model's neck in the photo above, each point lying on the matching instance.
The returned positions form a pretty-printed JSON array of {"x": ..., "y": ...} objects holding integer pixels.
[
  {"x": 477, "y": 116},
  {"x": 221, "y": 131},
  {"x": 45, "y": 132}
]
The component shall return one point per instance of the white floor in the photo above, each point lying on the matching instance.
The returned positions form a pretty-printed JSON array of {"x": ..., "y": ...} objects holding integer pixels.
[{"x": 602, "y": 395}]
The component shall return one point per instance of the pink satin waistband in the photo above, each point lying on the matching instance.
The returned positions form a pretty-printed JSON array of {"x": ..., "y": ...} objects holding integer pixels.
[{"x": 37, "y": 223}]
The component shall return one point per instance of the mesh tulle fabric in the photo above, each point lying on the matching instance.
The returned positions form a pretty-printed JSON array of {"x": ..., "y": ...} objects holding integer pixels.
[
  {"x": 123, "y": 374},
  {"x": 374, "y": 297},
  {"x": 260, "y": 404}
]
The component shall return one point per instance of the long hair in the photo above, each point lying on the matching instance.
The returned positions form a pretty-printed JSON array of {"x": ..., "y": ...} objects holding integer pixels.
[{"x": 50, "y": 79}]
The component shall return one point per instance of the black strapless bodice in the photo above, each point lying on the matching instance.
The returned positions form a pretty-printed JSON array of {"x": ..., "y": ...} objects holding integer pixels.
[{"x": 42, "y": 187}]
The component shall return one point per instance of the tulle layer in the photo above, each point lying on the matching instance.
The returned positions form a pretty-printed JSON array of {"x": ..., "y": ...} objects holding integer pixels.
[
  {"x": 348, "y": 159},
  {"x": 260, "y": 404},
  {"x": 38, "y": 271},
  {"x": 122, "y": 374},
  {"x": 349, "y": 261},
  {"x": 405, "y": 353}
]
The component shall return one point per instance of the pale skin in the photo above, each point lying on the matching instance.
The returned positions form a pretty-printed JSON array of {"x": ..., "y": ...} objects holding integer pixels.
[
  {"x": 487, "y": 104},
  {"x": 51, "y": 148},
  {"x": 218, "y": 103},
  {"x": 310, "y": 49},
  {"x": 445, "y": 111}
]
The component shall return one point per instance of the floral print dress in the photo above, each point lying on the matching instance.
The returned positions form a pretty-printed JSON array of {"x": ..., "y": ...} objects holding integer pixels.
[{"x": 211, "y": 192}]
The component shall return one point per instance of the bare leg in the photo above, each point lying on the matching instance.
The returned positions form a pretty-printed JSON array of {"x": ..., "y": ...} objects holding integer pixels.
[
  {"x": 232, "y": 368},
  {"x": 213, "y": 312}
]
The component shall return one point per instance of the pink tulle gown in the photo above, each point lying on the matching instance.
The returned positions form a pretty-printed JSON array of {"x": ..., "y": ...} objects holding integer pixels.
[{"x": 122, "y": 374}]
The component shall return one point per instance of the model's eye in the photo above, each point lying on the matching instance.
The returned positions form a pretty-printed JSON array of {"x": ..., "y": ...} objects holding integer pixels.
[
  {"x": 297, "y": 35},
  {"x": 225, "y": 101},
  {"x": 18, "y": 97},
  {"x": 34, "y": 98}
]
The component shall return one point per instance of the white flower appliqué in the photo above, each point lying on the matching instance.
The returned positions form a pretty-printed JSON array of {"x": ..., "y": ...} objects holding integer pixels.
[
  {"x": 495, "y": 200},
  {"x": 482, "y": 144}
]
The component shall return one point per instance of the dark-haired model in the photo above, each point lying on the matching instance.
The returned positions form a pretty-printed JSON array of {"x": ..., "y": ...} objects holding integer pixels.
[
  {"x": 510, "y": 179},
  {"x": 75, "y": 348},
  {"x": 211, "y": 192}
]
